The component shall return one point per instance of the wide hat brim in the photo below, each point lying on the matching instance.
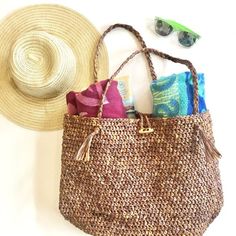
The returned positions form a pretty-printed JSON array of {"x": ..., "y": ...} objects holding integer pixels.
[{"x": 81, "y": 36}]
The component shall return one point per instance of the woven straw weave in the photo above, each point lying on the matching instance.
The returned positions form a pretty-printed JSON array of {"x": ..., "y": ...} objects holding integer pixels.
[
  {"x": 123, "y": 182},
  {"x": 158, "y": 184}
]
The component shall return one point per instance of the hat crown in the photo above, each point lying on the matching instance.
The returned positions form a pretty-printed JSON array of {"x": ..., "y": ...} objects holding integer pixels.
[
  {"x": 42, "y": 65},
  {"x": 72, "y": 32}
]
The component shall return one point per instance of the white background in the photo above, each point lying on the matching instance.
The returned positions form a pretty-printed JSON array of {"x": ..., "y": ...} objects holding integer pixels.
[{"x": 30, "y": 161}]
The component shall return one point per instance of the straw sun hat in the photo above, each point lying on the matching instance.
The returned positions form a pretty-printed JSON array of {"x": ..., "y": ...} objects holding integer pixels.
[{"x": 45, "y": 51}]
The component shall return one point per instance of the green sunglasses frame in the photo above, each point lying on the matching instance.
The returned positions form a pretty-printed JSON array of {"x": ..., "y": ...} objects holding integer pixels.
[{"x": 178, "y": 27}]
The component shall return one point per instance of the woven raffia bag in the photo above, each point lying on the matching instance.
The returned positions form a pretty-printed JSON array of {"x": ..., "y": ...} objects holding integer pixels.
[{"x": 145, "y": 176}]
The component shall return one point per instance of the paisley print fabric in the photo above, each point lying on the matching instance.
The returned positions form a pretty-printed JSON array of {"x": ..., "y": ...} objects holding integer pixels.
[{"x": 173, "y": 95}]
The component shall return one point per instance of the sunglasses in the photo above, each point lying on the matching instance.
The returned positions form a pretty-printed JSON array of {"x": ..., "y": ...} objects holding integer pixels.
[{"x": 186, "y": 36}]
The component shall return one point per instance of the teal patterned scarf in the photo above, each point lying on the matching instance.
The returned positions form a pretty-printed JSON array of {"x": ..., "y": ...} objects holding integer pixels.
[{"x": 173, "y": 95}]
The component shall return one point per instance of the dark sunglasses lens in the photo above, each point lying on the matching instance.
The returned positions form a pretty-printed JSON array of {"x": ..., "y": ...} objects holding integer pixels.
[
  {"x": 186, "y": 39},
  {"x": 162, "y": 28}
]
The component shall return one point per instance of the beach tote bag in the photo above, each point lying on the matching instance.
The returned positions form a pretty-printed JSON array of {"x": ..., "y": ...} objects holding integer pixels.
[{"x": 144, "y": 176}]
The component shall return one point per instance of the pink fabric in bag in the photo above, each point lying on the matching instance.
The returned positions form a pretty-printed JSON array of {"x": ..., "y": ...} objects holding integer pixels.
[{"x": 86, "y": 103}]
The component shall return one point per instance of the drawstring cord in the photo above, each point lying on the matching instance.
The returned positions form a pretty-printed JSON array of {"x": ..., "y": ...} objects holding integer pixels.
[
  {"x": 84, "y": 152},
  {"x": 210, "y": 149}
]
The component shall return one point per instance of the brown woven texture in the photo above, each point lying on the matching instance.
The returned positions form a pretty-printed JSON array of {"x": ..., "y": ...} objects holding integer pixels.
[{"x": 166, "y": 182}]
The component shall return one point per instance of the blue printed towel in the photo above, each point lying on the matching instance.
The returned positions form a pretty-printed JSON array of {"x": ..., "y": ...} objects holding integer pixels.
[{"x": 173, "y": 95}]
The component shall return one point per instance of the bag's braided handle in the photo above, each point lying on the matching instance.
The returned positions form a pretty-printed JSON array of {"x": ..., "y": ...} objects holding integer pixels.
[
  {"x": 165, "y": 56},
  {"x": 140, "y": 40}
]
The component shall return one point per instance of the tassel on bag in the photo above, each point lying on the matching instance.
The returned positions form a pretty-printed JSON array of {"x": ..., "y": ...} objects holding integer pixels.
[
  {"x": 83, "y": 153},
  {"x": 210, "y": 149}
]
